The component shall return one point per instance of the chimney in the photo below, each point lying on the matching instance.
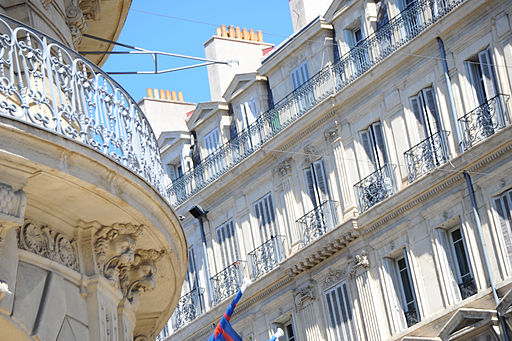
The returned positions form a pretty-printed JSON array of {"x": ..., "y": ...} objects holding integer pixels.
[
  {"x": 167, "y": 95},
  {"x": 245, "y": 34},
  {"x": 155, "y": 93},
  {"x": 180, "y": 96},
  {"x": 238, "y": 33},
  {"x": 253, "y": 35},
  {"x": 150, "y": 92},
  {"x": 173, "y": 95},
  {"x": 223, "y": 31},
  {"x": 231, "y": 31},
  {"x": 260, "y": 36}
]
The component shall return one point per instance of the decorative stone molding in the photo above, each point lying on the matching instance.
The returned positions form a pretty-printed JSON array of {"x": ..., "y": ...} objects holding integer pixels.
[
  {"x": 284, "y": 167},
  {"x": 115, "y": 249},
  {"x": 141, "y": 338},
  {"x": 140, "y": 276},
  {"x": 91, "y": 9},
  {"x": 312, "y": 154},
  {"x": 359, "y": 261},
  {"x": 12, "y": 204},
  {"x": 76, "y": 22},
  {"x": 304, "y": 295},
  {"x": 333, "y": 277},
  {"x": 47, "y": 243},
  {"x": 332, "y": 132},
  {"x": 47, "y": 3}
]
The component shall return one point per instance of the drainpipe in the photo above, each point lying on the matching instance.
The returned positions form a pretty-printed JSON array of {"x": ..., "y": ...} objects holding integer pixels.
[
  {"x": 450, "y": 93},
  {"x": 198, "y": 213},
  {"x": 484, "y": 251}
]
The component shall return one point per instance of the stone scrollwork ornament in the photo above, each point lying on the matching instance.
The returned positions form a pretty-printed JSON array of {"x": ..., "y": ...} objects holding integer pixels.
[
  {"x": 140, "y": 276},
  {"x": 360, "y": 261},
  {"x": 115, "y": 249},
  {"x": 333, "y": 277},
  {"x": 284, "y": 167},
  {"x": 303, "y": 295},
  {"x": 76, "y": 22},
  {"x": 47, "y": 243}
]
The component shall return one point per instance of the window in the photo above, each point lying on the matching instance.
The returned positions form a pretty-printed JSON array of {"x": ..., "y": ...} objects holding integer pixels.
[
  {"x": 211, "y": 141},
  {"x": 288, "y": 332},
  {"x": 340, "y": 312},
  {"x": 401, "y": 293},
  {"x": 250, "y": 114},
  {"x": 424, "y": 108},
  {"x": 175, "y": 170},
  {"x": 299, "y": 75},
  {"x": 354, "y": 36},
  {"x": 372, "y": 140},
  {"x": 316, "y": 182},
  {"x": 227, "y": 242},
  {"x": 265, "y": 215},
  {"x": 482, "y": 77},
  {"x": 503, "y": 218},
  {"x": 462, "y": 269},
  {"x": 191, "y": 278}
]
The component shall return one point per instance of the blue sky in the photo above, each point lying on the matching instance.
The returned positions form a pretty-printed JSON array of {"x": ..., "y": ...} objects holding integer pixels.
[{"x": 182, "y": 27}]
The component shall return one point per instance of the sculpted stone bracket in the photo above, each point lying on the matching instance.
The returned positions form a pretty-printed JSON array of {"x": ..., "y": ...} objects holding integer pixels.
[
  {"x": 304, "y": 295},
  {"x": 48, "y": 243},
  {"x": 12, "y": 204},
  {"x": 130, "y": 269},
  {"x": 332, "y": 132},
  {"x": 312, "y": 154},
  {"x": 334, "y": 277},
  {"x": 284, "y": 167},
  {"x": 360, "y": 261}
]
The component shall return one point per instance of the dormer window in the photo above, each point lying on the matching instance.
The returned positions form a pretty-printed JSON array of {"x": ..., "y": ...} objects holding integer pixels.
[
  {"x": 300, "y": 75},
  {"x": 211, "y": 141},
  {"x": 354, "y": 34}
]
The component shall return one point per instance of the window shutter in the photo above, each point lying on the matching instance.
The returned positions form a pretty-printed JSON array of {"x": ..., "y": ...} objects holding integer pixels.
[
  {"x": 220, "y": 240},
  {"x": 434, "y": 123},
  {"x": 417, "y": 110},
  {"x": 310, "y": 187},
  {"x": 243, "y": 116},
  {"x": 447, "y": 267},
  {"x": 349, "y": 38},
  {"x": 503, "y": 212},
  {"x": 475, "y": 74},
  {"x": 340, "y": 312},
  {"x": 321, "y": 181},
  {"x": 391, "y": 280},
  {"x": 484, "y": 58},
  {"x": 253, "y": 111},
  {"x": 367, "y": 146},
  {"x": 381, "y": 146}
]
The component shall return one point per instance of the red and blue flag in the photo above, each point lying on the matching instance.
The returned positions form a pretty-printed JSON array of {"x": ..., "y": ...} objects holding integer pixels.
[{"x": 224, "y": 331}]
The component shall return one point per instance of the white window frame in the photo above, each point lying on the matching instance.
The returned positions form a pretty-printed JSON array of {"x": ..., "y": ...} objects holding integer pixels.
[
  {"x": 340, "y": 312},
  {"x": 299, "y": 75},
  {"x": 454, "y": 254},
  {"x": 227, "y": 241},
  {"x": 265, "y": 215},
  {"x": 192, "y": 275},
  {"x": 402, "y": 297}
]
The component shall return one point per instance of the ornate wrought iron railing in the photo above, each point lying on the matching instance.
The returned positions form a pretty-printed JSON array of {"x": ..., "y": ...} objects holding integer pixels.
[
  {"x": 484, "y": 121},
  {"x": 47, "y": 85},
  {"x": 318, "y": 221},
  {"x": 266, "y": 257},
  {"x": 227, "y": 282},
  {"x": 249, "y": 140},
  {"x": 189, "y": 307},
  {"x": 375, "y": 187},
  {"x": 333, "y": 78},
  {"x": 397, "y": 32},
  {"x": 467, "y": 288},
  {"x": 427, "y": 155}
]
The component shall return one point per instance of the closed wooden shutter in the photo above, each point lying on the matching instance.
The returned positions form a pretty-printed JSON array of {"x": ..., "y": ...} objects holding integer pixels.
[
  {"x": 340, "y": 312},
  {"x": 488, "y": 77}
]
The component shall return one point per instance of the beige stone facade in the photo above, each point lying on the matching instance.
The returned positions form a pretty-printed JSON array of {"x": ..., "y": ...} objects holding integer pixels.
[
  {"x": 361, "y": 176},
  {"x": 90, "y": 248}
]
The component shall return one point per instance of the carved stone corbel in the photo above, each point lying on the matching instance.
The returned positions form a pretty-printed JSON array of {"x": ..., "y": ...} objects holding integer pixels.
[
  {"x": 284, "y": 167},
  {"x": 332, "y": 132},
  {"x": 114, "y": 247},
  {"x": 140, "y": 276},
  {"x": 46, "y": 3},
  {"x": 12, "y": 205},
  {"x": 359, "y": 261},
  {"x": 76, "y": 22},
  {"x": 304, "y": 295}
]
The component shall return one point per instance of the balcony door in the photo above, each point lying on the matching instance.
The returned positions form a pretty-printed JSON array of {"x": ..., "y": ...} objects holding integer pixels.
[
  {"x": 316, "y": 182},
  {"x": 426, "y": 115},
  {"x": 226, "y": 238},
  {"x": 482, "y": 77},
  {"x": 250, "y": 114},
  {"x": 265, "y": 215},
  {"x": 372, "y": 141}
]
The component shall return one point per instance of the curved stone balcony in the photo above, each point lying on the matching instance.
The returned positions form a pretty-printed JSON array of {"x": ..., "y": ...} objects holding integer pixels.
[{"x": 90, "y": 247}]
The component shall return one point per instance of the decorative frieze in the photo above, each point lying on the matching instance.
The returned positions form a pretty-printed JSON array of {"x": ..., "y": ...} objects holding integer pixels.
[
  {"x": 115, "y": 249},
  {"x": 140, "y": 276},
  {"x": 47, "y": 243},
  {"x": 333, "y": 277}
]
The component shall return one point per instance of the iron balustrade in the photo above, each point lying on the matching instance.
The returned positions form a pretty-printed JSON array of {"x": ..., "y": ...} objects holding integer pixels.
[
  {"x": 331, "y": 79},
  {"x": 375, "y": 187},
  {"x": 467, "y": 288},
  {"x": 227, "y": 282},
  {"x": 189, "y": 307},
  {"x": 397, "y": 32},
  {"x": 318, "y": 221},
  {"x": 411, "y": 317},
  {"x": 47, "y": 85},
  {"x": 266, "y": 257},
  {"x": 427, "y": 155},
  {"x": 484, "y": 121}
]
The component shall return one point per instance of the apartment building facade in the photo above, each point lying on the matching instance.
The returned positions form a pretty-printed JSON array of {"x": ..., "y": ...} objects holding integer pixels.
[
  {"x": 360, "y": 176},
  {"x": 90, "y": 247}
]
